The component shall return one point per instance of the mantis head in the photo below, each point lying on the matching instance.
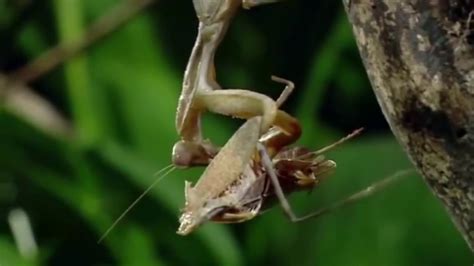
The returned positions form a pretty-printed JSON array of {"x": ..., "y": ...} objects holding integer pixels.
[{"x": 196, "y": 212}]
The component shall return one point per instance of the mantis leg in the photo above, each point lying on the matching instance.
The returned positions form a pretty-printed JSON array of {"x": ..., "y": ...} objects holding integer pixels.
[
  {"x": 268, "y": 165},
  {"x": 247, "y": 4},
  {"x": 193, "y": 150},
  {"x": 246, "y": 104},
  {"x": 236, "y": 217},
  {"x": 290, "y": 86},
  {"x": 240, "y": 103},
  {"x": 237, "y": 103},
  {"x": 368, "y": 191},
  {"x": 276, "y": 138},
  {"x": 187, "y": 120},
  {"x": 286, "y": 131}
]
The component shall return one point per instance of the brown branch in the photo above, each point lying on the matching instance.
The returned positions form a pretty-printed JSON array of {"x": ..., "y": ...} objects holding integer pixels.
[
  {"x": 20, "y": 100},
  {"x": 419, "y": 56},
  {"x": 60, "y": 53},
  {"x": 32, "y": 108}
]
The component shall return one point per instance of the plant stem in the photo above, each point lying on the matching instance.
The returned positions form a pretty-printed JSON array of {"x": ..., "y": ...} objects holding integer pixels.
[{"x": 82, "y": 99}]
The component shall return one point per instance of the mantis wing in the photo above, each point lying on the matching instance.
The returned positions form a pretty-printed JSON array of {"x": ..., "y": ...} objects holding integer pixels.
[{"x": 229, "y": 163}]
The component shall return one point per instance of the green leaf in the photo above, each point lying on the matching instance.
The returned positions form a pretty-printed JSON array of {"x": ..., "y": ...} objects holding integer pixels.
[{"x": 84, "y": 99}]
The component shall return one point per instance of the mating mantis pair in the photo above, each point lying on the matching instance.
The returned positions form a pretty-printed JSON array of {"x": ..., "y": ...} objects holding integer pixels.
[
  {"x": 238, "y": 181},
  {"x": 200, "y": 93}
]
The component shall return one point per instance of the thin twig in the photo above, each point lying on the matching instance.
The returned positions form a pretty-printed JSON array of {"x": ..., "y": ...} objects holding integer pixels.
[{"x": 106, "y": 24}]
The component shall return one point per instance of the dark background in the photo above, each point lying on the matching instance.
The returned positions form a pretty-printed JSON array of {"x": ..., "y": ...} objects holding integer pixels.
[{"x": 121, "y": 95}]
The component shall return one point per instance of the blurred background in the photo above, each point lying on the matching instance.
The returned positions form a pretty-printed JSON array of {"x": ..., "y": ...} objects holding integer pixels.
[{"x": 83, "y": 138}]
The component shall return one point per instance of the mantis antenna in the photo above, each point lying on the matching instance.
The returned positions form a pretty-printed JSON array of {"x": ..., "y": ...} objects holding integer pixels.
[
  {"x": 167, "y": 170},
  {"x": 333, "y": 145}
]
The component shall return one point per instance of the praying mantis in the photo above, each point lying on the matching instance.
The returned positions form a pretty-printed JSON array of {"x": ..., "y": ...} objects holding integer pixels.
[
  {"x": 236, "y": 178},
  {"x": 201, "y": 92}
]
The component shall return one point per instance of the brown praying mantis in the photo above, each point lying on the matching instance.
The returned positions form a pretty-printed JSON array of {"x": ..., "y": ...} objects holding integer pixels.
[
  {"x": 201, "y": 92},
  {"x": 236, "y": 162}
]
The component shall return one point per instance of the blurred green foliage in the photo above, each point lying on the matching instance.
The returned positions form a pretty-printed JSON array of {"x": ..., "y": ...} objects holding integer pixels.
[{"x": 121, "y": 95}]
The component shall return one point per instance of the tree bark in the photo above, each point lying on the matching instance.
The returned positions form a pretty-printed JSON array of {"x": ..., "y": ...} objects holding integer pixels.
[{"x": 419, "y": 56}]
